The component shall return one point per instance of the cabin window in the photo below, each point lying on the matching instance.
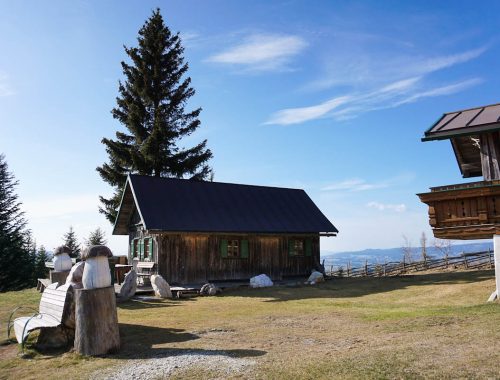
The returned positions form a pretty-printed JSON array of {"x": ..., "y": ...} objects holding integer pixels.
[
  {"x": 135, "y": 248},
  {"x": 146, "y": 248},
  {"x": 300, "y": 247},
  {"x": 296, "y": 247},
  {"x": 234, "y": 248}
]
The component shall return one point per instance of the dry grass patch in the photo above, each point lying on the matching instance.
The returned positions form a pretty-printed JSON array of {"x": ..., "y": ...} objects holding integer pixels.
[{"x": 432, "y": 325}]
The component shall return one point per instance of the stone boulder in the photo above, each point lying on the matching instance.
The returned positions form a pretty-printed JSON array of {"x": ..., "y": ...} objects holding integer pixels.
[
  {"x": 261, "y": 281},
  {"x": 75, "y": 275},
  {"x": 315, "y": 277},
  {"x": 129, "y": 286},
  {"x": 160, "y": 286},
  {"x": 209, "y": 290}
]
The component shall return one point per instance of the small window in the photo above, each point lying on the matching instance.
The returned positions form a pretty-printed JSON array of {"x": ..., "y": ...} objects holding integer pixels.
[
  {"x": 146, "y": 248},
  {"x": 233, "y": 248},
  {"x": 135, "y": 251},
  {"x": 296, "y": 247}
]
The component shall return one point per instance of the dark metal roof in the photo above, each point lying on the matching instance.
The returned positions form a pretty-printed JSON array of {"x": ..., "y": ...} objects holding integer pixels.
[
  {"x": 465, "y": 122},
  {"x": 178, "y": 205}
]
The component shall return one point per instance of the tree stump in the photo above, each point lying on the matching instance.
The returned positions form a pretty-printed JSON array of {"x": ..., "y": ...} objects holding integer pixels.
[
  {"x": 96, "y": 321},
  {"x": 58, "y": 276}
]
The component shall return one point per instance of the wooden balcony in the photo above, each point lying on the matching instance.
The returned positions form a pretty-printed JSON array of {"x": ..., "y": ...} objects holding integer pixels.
[{"x": 465, "y": 211}]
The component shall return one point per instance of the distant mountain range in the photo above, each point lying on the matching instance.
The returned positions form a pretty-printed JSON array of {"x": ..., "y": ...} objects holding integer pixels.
[{"x": 357, "y": 258}]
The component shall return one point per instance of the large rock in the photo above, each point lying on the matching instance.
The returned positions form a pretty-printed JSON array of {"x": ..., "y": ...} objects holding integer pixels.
[
  {"x": 260, "y": 281},
  {"x": 315, "y": 278},
  {"x": 75, "y": 275},
  {"x": 209, "y": 290},
  {"x": 160, "y": 286},
  {"x": 129, "y": 286}
]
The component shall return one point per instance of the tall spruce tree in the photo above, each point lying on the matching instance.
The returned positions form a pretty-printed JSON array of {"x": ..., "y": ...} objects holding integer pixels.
[
  {"x": 151, "y": 106},
  {"x": 16, "y": 264},
  {"x": 71, "y": 241},
  {"x": 96, "y": 237}
]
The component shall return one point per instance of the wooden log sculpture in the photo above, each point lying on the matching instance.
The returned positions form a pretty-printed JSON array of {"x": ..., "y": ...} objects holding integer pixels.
[
  {"x": 62, "y": 265},
  {"x": 96, "y": 321},
  {"x": 96, "y": 318}
]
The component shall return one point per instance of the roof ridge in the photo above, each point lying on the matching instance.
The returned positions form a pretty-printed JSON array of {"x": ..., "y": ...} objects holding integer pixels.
[
  {"x": 215, "y": 182},
  {"x": 472, "y": 108}
]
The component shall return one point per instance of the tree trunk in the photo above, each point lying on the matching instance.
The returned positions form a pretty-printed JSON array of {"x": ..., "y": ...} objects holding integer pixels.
[{"x": 96, "y": 321}]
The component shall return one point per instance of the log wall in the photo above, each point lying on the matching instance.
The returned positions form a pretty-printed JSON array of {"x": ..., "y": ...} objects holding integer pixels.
[{"x": 196, "y": 258}]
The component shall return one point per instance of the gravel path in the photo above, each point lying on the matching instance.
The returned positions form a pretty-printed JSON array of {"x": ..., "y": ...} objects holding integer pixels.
[{"x": 172, "y": 361}]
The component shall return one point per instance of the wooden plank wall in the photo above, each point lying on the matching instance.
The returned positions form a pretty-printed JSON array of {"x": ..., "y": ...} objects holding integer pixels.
[{"x": 190, "y": 258}]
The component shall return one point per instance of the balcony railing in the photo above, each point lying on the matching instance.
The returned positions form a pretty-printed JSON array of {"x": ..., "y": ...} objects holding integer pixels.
[{"x": 464, "y": 211}]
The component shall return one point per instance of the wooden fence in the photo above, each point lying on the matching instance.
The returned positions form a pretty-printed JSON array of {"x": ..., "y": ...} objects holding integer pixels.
[{"x": 477, "y": 260}]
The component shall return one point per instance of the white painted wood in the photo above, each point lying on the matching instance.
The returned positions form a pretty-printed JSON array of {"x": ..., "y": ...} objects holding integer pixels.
[
  {"x": 496, "y": 247},
  {"x": 62, "y": 262},
  {"x": 96, "y": 273}
]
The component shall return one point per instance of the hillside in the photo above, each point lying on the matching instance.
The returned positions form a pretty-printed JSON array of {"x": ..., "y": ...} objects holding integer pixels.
[{"x": 357, "y": 258}]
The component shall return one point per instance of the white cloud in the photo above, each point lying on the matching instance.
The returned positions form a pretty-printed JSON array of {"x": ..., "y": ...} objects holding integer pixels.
[
  {"x": 355, "y": 184},
  {"x": 262, "y": 52},
  {"x": 440, "y": 91},
  {"x": 302, "y": 114},
  {"x": 387, "y": 207},
  {"x": 378, "y": 82}
]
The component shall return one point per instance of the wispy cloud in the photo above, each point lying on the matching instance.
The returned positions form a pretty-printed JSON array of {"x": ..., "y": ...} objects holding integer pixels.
[
  {"x": 359, "y": 184},
  {"x": 301, "y": 114},
  {"x": 354, "y": 184},
  {"x": 387, "y": 207},
  {"x": 5, "y": 88},
  {"x": 262, "y": 52},
  {"x": 381, "y": 84}
]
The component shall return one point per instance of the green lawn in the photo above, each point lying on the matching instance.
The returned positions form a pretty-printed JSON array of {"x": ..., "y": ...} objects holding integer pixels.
[{"x": 430, "y": 325}]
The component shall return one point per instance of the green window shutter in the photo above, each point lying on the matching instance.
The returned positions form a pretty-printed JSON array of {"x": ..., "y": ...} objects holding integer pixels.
[
  {"x": 141, "y": 249},
  {"x": 132, "y": 248},
  {"x": 308, "y": 247},
  {"x": 244, "y": 249},
  {"x": 223, "y": 248},
  {"x": 150, "y": 242},
  {"x": 290, "y": 247}
]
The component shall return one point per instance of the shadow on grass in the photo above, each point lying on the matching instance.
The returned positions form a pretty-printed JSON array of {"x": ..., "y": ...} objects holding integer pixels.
[
  {"x": 137, "y": 342},
  {"x": 151, "y": 303},
  {"x": 358, "y": 287}
]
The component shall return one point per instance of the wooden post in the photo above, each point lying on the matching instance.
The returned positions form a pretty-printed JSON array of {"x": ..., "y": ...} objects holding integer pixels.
[
  {"x": 348, "y": 267},
  {"x": 96, "y": 321},
  {"x": 385, "y": 268},
  {"x": 366, "y": 267},
  {"x": 489, "y": 257},
  {"x": 465, "y": 260},
  {"x": 496, "y": 251}
]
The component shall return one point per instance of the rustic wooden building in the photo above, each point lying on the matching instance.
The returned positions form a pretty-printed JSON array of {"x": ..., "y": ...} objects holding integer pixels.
[
  {"x": 468, "y": 210},
  {"x": 197, "y": 232}
]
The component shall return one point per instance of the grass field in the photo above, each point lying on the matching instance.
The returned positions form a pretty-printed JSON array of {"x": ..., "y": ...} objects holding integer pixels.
[{"x": 429, "y": 325}]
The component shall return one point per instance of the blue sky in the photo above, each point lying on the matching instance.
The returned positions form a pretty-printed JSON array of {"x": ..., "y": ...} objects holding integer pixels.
[{"x": 329, "y": 96}]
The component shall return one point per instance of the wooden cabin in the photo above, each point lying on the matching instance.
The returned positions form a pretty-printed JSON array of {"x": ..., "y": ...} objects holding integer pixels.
[
  {"x": 470, "y": 210},
  {"x": 197, "y": 232}
]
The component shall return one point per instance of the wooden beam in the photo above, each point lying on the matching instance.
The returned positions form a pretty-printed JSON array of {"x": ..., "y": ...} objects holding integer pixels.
[{"x": 485, "y": 157}]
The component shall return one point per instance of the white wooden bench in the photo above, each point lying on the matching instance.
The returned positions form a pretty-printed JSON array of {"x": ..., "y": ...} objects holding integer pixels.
[
  {"x": 54, "y": 308},
  {"x": 144, "y": 270}
]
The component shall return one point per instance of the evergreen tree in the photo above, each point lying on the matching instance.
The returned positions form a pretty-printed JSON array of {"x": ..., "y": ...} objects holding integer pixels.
[
  {"x": 97, "y": 237},
  {"x": 42, "y": 257},
  {"x": 71, "y": 242},
  {"x": 15, "y": 261},
  {"x": 151, "y": 105}
]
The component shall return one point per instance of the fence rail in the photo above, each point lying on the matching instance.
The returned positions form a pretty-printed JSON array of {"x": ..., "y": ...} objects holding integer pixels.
[{"x": 477, "y": 260}]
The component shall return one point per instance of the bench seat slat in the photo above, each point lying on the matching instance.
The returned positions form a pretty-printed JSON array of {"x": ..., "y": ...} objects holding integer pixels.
[{"x": 33, "y": 324}]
